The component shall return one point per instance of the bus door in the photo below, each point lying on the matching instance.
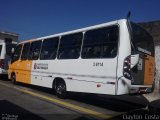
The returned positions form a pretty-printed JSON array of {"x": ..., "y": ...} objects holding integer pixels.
[{"x": 26, "y": 64}]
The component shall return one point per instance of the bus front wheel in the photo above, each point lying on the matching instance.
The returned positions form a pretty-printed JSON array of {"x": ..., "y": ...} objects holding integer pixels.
[
  {"x": 13, "y": 78},
  {"x": 60, "y": 89}
]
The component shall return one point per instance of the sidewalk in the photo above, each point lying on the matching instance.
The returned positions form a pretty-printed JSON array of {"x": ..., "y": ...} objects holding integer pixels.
[
  {"x": 154, "y": 102},
  {"x": 152, "y": 96}
]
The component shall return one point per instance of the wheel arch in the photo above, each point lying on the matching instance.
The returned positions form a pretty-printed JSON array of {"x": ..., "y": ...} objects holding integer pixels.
[
  {"x": 57, "y": 80},
  {"x": 13, "y": 73}
]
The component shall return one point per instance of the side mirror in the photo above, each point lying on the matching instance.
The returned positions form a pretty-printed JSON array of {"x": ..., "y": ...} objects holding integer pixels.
[{"x": 134, "y": 60}]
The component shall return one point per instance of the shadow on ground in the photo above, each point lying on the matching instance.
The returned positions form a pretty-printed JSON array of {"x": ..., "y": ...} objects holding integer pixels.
[
  {"x": 121, "y": 103},
  {"x": 10, "y": 111}
]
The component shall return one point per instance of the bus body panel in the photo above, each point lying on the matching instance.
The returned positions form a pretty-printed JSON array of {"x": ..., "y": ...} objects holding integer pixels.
[
  {"x": 22, "y": 69},
  {"x": 144, "y": 69},
  {"x": 124, "y": 51},
  {"x": 78, "y": 71},
  {"x": 25, "y": 71}
]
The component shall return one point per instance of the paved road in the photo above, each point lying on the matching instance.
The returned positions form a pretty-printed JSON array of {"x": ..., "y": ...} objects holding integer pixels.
[{"x": 30, "y": 102}]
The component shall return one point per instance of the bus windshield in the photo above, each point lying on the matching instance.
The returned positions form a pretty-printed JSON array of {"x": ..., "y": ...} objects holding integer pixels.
[
  {"x": 9, "y": 47},
  {"x": 142, "y": 40}
]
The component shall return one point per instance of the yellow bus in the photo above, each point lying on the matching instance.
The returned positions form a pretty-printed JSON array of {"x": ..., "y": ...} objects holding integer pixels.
[{"x": 112, "y": 58}]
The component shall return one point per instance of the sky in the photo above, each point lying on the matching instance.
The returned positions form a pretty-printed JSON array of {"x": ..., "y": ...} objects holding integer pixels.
[{"x": 37, "y": 18}]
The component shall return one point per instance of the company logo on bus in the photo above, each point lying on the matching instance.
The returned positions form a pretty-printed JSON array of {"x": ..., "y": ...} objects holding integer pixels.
[{"x": 40, "y": 66}]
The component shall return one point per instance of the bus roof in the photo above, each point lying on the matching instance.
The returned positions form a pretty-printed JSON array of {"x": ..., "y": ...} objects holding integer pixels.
[{"x": 77, "y": 30}]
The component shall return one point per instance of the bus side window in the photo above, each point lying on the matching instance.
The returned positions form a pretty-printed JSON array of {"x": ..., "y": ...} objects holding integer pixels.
[
  {"x": 25, "y": 51},
  {"x": 49, "y": 49},
  {"x": 35, "y": 50},
  {"x": 70, "y": 46},
  {"x": 17, "y": 53},
  {"x": 100, "y": 43}
]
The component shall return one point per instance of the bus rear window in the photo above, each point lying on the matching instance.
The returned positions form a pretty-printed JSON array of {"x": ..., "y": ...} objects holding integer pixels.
[{"x": 142, "y": 40}]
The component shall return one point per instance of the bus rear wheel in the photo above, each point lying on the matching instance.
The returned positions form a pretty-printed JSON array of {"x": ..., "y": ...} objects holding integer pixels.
[{"x": 60, "y": 90}]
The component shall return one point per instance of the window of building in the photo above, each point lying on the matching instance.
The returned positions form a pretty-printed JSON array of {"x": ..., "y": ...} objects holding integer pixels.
[
  {"x": 49, "y": 49},
  {"x": 25, "y": 51},
  {"x": 100, "y": 43},
  {"x": 70, "y": 46},
  {"x": 35, "y": 50}
]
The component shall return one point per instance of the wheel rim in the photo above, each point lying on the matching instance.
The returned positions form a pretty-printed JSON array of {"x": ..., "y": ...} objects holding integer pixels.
[{"x": 60, "y": 89}]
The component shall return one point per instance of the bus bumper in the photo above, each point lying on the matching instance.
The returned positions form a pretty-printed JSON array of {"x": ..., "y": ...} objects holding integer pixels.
[
  {"x": 125, "y": 87},
  {"x": 141, "y": 89}
]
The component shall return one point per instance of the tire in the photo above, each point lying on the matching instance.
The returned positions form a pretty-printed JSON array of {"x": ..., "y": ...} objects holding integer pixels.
[
  {"x": 13, "y": 78},
  {"x": 60, "y": 90}
]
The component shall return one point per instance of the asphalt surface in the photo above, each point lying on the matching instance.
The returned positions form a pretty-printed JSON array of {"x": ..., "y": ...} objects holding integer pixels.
[{"x": 24, "y": 102}]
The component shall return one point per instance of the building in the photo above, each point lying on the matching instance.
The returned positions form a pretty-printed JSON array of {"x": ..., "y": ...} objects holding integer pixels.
[{"x": 8, "y": 36}]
